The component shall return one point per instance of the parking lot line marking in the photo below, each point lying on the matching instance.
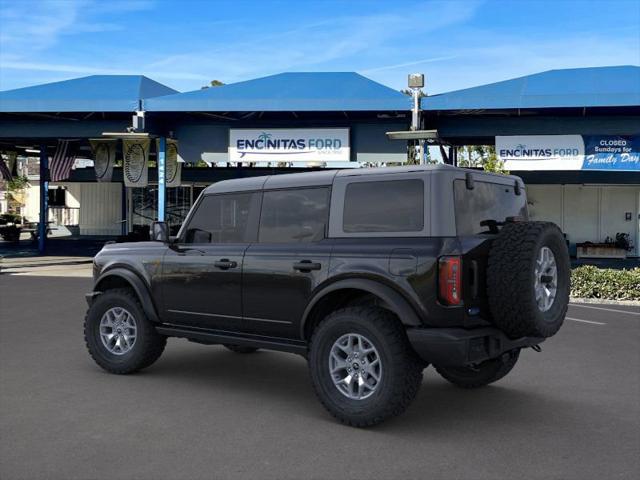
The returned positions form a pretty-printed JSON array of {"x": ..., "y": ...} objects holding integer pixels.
[
  {"x": 584, "y": 321},
  {"x": 602, "y": 308}
]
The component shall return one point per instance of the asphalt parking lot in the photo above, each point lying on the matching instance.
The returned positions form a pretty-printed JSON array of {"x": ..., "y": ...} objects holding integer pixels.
[{"x": 569, "y": 412}]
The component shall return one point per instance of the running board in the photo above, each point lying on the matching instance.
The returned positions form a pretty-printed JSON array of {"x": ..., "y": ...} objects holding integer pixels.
[{"x": 212, "y": 337}]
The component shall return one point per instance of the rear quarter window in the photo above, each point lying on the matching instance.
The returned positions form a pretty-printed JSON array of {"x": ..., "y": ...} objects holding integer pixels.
[
  {"x": 384, "y": 206},
  {"x": 487, "y": 201}
]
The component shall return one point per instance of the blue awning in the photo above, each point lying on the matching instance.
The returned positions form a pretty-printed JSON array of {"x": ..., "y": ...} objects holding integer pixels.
[
  {"x": 96, "y": 93},
  {"x": 288, "y": 92},
  {"x": 577, "y": 87}
]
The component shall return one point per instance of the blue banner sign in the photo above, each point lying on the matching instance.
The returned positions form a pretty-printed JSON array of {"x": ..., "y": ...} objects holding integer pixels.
[{"x": 611, "y": 152}]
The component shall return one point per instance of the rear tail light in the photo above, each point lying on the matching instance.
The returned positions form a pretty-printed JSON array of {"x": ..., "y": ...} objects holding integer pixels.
[{"x": 450, "y": 280}]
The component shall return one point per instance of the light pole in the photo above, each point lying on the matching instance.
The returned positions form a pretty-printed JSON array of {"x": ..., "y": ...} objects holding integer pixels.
[{"x": 416, "y": 83}]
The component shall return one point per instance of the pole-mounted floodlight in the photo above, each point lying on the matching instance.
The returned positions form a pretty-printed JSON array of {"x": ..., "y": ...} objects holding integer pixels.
[{"x": 415, "y": 82}]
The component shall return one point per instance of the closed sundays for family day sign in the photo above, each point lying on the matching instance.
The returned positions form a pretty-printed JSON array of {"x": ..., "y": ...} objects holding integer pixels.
[
  {"x": 569, "y": 152},
  {"x": 289, "y": 145}
]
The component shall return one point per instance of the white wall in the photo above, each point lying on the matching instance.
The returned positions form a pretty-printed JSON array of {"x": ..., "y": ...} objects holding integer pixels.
[
  {"x": 100, "y": 208},
  {"x": 31, "y": 208},
  {"x": 588, "y": 212}
]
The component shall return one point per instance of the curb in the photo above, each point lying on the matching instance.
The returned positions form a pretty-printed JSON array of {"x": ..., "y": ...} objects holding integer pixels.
[
  {"x": 604, "y": 301},
  {"x": 7, "y": 266}
]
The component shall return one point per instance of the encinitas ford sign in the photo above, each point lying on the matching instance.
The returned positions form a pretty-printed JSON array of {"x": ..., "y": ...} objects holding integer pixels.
[
  {"x": 569, "y": 152},
  {"x": 541, "y": 152},
  {"x": 289, "y": 145}
]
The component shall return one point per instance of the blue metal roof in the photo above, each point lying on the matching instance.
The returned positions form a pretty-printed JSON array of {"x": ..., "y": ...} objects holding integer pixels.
[
  {"x": 299, "y": 92},
  {"x": 96, "y": 93},
  {"x": 577, "y": 87}
]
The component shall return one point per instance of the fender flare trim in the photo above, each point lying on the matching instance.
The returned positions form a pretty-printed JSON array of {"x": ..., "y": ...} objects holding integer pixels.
[
  {"x": 397, "y": 303},
  {"x": 138, "y": 285}
]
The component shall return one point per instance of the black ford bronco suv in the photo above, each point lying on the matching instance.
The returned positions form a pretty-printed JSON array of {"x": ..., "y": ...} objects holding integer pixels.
[{"x": 371, "y": 274}]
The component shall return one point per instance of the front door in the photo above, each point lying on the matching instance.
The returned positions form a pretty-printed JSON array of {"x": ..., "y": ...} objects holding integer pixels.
[
  {"x": 202, "y": 271},
  {"x": 289, "y": 260}
]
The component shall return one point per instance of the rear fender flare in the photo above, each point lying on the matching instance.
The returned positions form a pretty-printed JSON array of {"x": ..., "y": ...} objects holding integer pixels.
[{"x": 396, "y": 302}]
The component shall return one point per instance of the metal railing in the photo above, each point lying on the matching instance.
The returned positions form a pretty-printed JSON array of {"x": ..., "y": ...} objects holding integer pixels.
[{"x": 64, "y": 215}]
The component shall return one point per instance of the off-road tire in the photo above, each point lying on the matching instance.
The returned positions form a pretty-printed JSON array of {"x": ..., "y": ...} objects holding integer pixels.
[
  {"x": 487, "y": 372},
  {"x": 240, "y": 348},
  {"x": 511, "y": 277},
  {"x": 148, "y": 346},
  {"x": 402, "y": 370}
]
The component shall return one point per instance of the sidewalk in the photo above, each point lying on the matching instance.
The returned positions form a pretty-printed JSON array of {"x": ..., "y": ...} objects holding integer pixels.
[
  {"x": 47, "y": 266},
  {"x": 44, "y": 261},
  {"x": 66, "y": 247}
]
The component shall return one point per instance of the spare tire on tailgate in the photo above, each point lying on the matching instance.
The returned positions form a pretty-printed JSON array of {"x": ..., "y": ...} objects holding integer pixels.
[{"x": 528, "y": 279}]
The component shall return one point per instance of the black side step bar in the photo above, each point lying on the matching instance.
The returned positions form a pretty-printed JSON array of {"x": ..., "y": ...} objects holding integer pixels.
[{"x": 212, "y": 337}]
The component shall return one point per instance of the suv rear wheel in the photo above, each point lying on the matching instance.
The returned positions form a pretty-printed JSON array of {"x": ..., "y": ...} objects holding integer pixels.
[
  {"x": 118, "y": 334},
  {"x": 480, "y": 375},
  {"x": 362, "y": 367}
]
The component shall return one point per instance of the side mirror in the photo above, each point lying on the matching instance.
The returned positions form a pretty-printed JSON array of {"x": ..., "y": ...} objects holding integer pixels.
[{"x": 159, "y": 232}]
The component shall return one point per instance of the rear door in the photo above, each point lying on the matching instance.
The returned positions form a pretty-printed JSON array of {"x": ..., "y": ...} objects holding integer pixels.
[
  {"x": 290, "y": 258},
  {"x": 202, "y": 271}
]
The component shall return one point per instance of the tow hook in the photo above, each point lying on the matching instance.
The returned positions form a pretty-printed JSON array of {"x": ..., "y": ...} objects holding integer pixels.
[{"x": 536, "y": 348}]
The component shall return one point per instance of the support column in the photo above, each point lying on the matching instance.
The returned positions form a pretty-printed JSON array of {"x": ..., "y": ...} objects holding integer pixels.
[
  {"x": 123, "y": 208},
  {"x": 44, "y": 199},
  {"x": 162, "y": 190}
]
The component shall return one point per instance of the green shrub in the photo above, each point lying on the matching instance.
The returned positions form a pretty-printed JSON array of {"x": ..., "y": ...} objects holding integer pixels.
[{"x": 588, "y": 281}]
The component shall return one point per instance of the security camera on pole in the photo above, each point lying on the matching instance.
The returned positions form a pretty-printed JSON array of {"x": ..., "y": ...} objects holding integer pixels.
[{"x": 416, "y": 83}]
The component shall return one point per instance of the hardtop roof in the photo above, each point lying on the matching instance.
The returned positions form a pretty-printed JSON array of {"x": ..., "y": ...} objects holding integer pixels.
[{"x": 314, "y": 179}]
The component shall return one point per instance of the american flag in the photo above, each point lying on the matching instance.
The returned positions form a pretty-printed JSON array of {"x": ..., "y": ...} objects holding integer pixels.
[
  {"x": 62, "y": 161},
  {"x": 4, "y": 170}
]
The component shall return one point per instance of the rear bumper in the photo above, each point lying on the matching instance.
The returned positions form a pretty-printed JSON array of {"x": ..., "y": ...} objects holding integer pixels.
[{"x": 457, "y": 347}]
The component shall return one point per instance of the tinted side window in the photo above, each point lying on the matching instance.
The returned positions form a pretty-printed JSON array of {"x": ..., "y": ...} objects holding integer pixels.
[
  {"x": 384, "y": 206},
  {"x": 222, "y": 219},
  {"x": 487, "y": 201},
  {"x": 296, "y": 215}
]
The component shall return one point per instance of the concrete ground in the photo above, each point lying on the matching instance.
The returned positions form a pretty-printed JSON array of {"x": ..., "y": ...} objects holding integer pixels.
[{"x": 570, "y": 412}]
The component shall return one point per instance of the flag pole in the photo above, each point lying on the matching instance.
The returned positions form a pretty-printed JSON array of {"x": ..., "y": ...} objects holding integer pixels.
[
  {"x": 162, "y": 179},
  {"x": 44, "y": 197}
]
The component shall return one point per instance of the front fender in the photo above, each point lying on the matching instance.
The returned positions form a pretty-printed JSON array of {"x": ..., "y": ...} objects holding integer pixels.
[{"x": 138, "y": 285}]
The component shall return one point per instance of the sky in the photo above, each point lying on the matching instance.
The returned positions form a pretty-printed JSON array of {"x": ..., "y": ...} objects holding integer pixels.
[{"x": 185, "y": 44}]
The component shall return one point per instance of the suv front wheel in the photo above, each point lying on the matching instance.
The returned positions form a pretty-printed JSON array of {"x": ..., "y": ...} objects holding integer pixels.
[
  {"x": 362, "y": 367},
  {"x": 118, "y": 334}
]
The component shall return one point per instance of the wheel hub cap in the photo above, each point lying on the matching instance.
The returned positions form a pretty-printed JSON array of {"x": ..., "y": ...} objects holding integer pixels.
[
  {"x": 546, "y": 279},
  {"x": 118, "y": 330},
  {"x": 355, "y": 366}
]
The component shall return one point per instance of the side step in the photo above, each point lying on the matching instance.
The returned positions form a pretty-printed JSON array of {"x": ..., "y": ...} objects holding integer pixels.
[{"x": 212, "y": 337}]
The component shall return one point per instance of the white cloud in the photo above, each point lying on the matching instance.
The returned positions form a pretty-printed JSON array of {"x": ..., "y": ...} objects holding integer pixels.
[
  {"x": 31, "y": 27},
  {"x": 349, "y": 40},
  {"x": 409, "y": 64}
]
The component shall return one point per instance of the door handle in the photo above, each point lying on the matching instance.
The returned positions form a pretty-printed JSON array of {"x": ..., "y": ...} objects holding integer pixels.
[
  {"x": 225, "y": 264},
  {"x": 306, "y": 266}
]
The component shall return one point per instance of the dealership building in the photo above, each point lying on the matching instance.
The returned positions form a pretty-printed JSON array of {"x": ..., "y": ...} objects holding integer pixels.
[{"x": 573, "y": 135}]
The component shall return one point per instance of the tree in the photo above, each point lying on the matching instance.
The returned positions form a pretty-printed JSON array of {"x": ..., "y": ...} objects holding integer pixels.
[
  {"x": 493, "y": 164},
  {"x": 475, "y": 156},
  {"x": 15, "y": 194},
  {"x": 213, "y": 83}
]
